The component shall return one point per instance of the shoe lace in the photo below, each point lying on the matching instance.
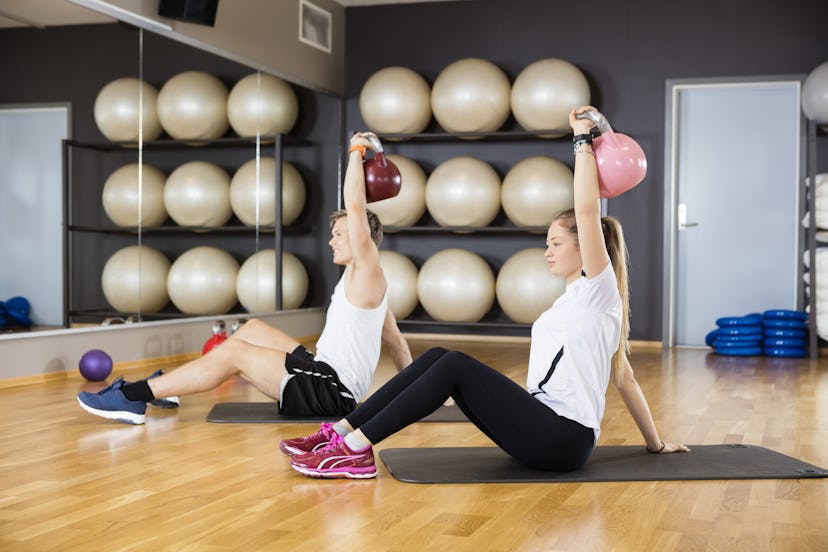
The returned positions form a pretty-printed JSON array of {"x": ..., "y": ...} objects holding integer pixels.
[
  {"x": 114, "y": 386},
  {"x": 326, "y": 430},
  {"x": 336, "y": 440}
]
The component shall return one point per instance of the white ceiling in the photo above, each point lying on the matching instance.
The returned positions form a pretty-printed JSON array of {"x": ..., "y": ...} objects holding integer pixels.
[{"x": 49, "y": 13}]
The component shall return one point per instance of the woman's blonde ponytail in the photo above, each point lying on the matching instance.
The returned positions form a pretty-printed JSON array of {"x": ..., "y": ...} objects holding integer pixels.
[{"x": 617, "y": 249}]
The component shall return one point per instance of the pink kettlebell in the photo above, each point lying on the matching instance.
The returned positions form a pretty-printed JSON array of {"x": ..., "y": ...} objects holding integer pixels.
[
  {"x": 382, "y": 177},
  {"x": 622, "y": 164}
]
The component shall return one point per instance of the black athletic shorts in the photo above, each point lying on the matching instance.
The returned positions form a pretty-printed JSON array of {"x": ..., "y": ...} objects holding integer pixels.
[{"x": 314, "y": 390}]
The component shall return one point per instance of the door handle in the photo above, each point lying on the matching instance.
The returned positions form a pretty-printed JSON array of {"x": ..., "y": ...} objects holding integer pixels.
[{"x": 682, "y": 218}]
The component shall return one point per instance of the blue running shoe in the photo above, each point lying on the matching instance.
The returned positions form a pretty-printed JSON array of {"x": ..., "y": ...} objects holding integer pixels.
[
  {"x": 166, "y": 402},
  {"x": 111, "y": 403}
]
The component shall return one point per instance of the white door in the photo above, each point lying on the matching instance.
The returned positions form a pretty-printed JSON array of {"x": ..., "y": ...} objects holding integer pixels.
[
  {"x": 31, "y": 208},
  {"x": 732, "y": 166}
]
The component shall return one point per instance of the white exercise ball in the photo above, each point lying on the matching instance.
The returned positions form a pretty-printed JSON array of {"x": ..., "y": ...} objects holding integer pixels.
[
  {"x": 536, "y": 189},
  {"x": 401, "y": 276},
  {"x": 456, "y": 285},
  {"x": 545, "y": 92},
  {"x": 525, "y": 287},
  {"x": 202, "y": 280},
  {"x": 123, "y": 196},
  {"x": 261, "y": 104},
  {"x": 193, "y": 106},
  {"x": 243, "y": 193},
  {"x": 134, "y": 279},
  {"x": 463, "y": 191},
  {"x": 815, "y": 94},
  {"x": 471, "y": 95},
  {"x": 117, "y": 110},
  {"x": 395, "y": 100},
  {"x": 407, "y": 207},
  {"x": 256, "y": 282},
  {"x": 198, "y": 194}
]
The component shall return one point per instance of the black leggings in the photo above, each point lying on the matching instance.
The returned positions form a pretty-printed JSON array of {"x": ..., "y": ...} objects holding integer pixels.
[{"x": 517, "y": 422}]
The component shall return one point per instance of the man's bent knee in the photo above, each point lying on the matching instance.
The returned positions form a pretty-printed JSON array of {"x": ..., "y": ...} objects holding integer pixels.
[
  {"x": 251, "y": 326},
  {"x": 229, "y": 352}
]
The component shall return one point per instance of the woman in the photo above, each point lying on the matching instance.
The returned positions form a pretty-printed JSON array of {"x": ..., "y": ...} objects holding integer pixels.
[{"x": 578, "y": 344}]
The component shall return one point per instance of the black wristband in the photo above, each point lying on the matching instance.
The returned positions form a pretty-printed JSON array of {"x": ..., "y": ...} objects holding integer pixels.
[{"x": 582, "y": 138}]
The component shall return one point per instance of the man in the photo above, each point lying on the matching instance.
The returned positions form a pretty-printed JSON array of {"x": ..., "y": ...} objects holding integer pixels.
[{"x": 328, "y": 384}]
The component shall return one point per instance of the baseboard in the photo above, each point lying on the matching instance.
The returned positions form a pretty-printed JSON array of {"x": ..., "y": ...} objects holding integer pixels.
[
  {"x": 37, "y": 353},
  {"x": 147, "y": 365},
  {"x": 645, "y": 345}
]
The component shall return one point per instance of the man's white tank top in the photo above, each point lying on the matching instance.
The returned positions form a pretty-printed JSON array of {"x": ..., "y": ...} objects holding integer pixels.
[{"x": 351, "y": 340}]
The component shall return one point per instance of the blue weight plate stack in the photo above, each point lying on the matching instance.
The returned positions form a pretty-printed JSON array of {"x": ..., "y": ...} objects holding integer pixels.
[
  {"x": 786, "y": 333},
  {"x": 737, "y": 335},
  {"x": 776, "y": 333}
]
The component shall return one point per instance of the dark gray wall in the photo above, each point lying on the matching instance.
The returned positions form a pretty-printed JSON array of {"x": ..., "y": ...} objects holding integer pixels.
[
  {"x": 626, "y": 49},
  {"x": 73, "y": 63}
]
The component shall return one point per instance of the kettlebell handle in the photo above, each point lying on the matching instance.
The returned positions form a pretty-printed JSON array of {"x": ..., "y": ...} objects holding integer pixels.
[
  {"x": 598, "y": 118},
  {"x": 375, "y": 142}
]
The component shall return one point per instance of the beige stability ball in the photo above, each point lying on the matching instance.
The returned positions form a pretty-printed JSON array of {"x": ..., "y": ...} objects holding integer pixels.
[
  {"x": 256, "y": 282},
  {"x": 815, "y": 95},
  {"x": 193, "y": 106},
  {"x": 243, "y": 193},
  {"x": 134, "y": 279},
  {"x": 525, "y": 287},
  {"x": 535, "y": 190},
  {"x": 471, "y": 95},
  {"x": 456, "y": 285},
  {"x": 407, "y": 207},
  {"x": 545, "y": 92},
  {"x": 262, "y": 104},
  {"x": 202, "y": 280},
  {"x": 395, "y": 100},
  {"x": 122, "y": 196},
  {"x": 116, "y": 110},
  {"x": 198, "y": 194},
  {"x": 401, "y": 275},
  {"x": 463, "y": 191}
]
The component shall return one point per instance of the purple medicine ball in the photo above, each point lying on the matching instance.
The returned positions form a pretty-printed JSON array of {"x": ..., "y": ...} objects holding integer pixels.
[{"x": 95, "y": 365}]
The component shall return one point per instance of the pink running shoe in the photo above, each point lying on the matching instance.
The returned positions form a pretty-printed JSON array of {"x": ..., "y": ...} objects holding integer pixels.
[
  {"x": 335, "y": 461},
  {"x": 311, "y": 443}
]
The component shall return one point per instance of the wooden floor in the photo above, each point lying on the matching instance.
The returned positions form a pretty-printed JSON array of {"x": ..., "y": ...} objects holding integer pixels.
[{"x": 71, "y": 481}]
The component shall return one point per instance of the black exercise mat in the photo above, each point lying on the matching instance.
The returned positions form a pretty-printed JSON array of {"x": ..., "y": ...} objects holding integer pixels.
[
  {"x": 607, "y": 463},
  {"x": 268, "y": 412}
]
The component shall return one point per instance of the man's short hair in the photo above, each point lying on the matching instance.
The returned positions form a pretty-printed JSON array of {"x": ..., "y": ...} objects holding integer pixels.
[{"x": 373, "y": 223}]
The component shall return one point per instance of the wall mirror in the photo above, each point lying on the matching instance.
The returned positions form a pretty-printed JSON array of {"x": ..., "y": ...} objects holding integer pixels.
[{"x": 196, "y": 195}]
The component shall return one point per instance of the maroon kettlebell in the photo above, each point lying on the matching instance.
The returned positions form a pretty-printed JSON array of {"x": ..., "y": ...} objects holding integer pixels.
[{"x": 382, "y": 177}]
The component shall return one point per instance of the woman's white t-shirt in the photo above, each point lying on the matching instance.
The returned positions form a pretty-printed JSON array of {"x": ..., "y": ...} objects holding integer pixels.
[{"x": 572, "y": 347}]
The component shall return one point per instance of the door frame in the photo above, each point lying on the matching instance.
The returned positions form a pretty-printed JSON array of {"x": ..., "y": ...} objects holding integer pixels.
[{"x": 673, "y": 87}]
